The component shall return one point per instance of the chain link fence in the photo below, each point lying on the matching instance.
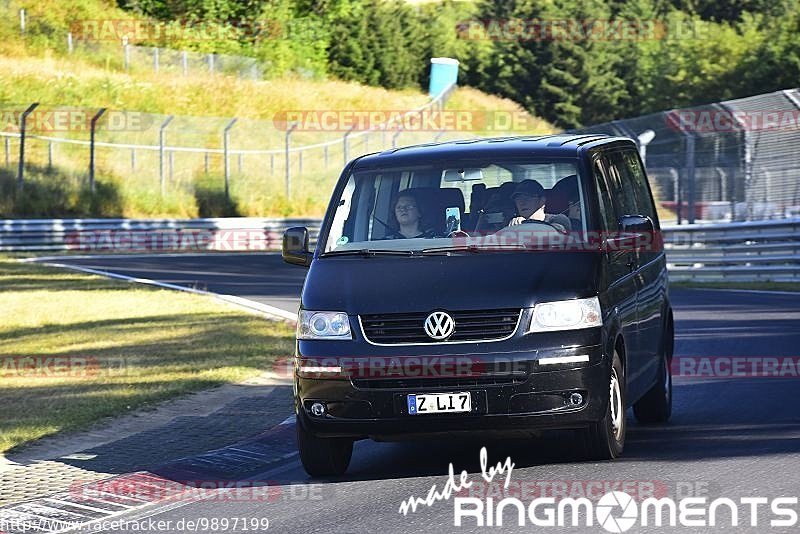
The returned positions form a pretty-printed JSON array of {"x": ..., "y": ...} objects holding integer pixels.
[
  {"x": 736, "y": 160},
  {"x": 104, "y": 41},
  {"x": 166, "y": 163}
]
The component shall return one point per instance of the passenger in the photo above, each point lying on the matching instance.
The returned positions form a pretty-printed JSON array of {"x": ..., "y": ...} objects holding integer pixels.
[
  {"x": 529, "y": 200},
  {"x": 406, "y": 218},
  {"x": 574, "y": 213},
  {"x": 567, "y": 189}
]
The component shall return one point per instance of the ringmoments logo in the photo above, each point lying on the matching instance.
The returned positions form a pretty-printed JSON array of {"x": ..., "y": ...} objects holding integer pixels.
[{"x": 615, "y": 511}]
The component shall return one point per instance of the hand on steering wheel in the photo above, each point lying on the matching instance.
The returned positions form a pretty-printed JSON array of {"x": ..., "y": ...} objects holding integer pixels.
[{"x": 457, "y": 233}]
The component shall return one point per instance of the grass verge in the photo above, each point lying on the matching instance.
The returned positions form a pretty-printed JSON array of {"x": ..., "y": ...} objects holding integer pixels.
[
  {"x": 758, "y": 286},
  {"x": 76, "y": 348}
]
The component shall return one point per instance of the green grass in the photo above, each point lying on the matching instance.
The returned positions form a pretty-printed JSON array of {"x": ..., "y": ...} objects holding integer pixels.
[
  {"x": 759, "y": 286},
  {"x": 143, "y": 345}
]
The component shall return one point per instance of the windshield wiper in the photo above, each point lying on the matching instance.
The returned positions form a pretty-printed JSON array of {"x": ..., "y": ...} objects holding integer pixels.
[
  {"x": 366, "y": 252},
  {"x": 455, "y": 248},
  {"x": 474, "y": 248}
]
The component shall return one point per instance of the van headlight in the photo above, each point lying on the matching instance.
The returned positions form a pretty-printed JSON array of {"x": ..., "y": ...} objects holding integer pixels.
[
  {"x": 566, "y": 315},
  {"x": 323, "y": 325}
]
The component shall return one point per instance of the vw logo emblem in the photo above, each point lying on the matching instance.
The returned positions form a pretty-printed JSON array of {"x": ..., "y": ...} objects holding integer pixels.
[{"x": 439, "y": 325}]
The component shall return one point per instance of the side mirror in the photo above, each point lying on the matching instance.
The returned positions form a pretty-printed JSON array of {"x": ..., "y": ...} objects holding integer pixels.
[
  {"x": 295, "y": 246},
  {"x": 636, "y": 224},
  {"x": 636, "y": 233}
]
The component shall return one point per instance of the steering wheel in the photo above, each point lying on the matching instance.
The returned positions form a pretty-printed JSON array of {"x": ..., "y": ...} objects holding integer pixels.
[
  {"x": 457, "y": 233},
  {"x": 557, "y": 227}
]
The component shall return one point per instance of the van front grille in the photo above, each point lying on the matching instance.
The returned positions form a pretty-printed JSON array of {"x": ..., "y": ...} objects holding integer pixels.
[{"x": 409, "y": 328}]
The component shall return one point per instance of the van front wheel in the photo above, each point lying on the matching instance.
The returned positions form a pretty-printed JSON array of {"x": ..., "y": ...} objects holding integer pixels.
[
  {"x": 323, "y": 457},
  {"x": 605, "y": 439}
]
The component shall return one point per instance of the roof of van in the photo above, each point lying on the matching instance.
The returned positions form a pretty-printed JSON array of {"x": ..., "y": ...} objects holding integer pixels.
[{"x": 557, "y": 145}]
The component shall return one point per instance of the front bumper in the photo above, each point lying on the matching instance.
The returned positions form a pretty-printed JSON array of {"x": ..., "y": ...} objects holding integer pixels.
[{"x": 539, "y": 399}]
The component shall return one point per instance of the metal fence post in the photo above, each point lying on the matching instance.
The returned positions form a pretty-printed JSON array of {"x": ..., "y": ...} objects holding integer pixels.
[
  {"x": 345, "y": 147},
  {"x": 185, "y": 62},
  {"x": 161, "y": 136},
  {"x": 676, "y": 192},
  {"x": 205, "y": 162},
  {"x": 8, "y": 151},
  {"x": 155, "y": 59},
  {"x": 133, "y": 159},
  {"x": 22, "y": 22},
  {"x": 288, "y": 184},
  {"x": 272, "y": 163},
  {"x": 396, "y": 135},
  {"x": 210, "y": 62},
  {"x": 126, "y": 54},
  {"x": 300, "y": 162},
  {"x": 70, "y": 46},
  {"x": 22, "y": 127},
  {"x": 748, "y": 163},
  {"x": 50, "y": 156},
  {"x": 227, "y": 163},
  {"x": 92, "y": 132},
  {"x": 326, "y": 155},
  {"x": 690, "y": 177}
]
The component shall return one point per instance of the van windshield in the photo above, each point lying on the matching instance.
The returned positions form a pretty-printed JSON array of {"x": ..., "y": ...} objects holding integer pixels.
[{"x": 489, "y": 206}]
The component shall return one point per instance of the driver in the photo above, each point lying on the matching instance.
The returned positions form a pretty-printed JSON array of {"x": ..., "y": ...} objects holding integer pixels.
[{"x": 529, "y": 200}]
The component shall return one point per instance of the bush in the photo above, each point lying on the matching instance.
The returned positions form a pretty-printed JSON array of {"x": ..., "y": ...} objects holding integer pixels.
[
  {"x": 209, "y": 194},
  {"x": 46, "y": 193}
]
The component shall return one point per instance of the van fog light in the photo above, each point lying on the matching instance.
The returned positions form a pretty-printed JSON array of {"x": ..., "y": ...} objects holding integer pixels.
[
  {"x": 576, "y": 399},
  {"x": 318, "y": 409}
]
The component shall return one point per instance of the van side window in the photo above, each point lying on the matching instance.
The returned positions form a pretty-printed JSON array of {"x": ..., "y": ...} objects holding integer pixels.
[
  {"x": 639, "y": 181},
  {"x": 607, "y": 214},
  {"x": 621, "y": 184}
]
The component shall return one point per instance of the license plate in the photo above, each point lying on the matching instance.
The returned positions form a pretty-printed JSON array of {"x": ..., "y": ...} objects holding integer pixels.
[{"x": 439, "y": 403}]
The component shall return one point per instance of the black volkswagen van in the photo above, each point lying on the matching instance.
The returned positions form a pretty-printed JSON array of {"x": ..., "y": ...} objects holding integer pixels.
[{"x": 495, "y": 285}]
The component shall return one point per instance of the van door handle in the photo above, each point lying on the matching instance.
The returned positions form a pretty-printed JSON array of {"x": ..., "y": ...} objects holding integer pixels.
[{"x": 631, "y": 265}]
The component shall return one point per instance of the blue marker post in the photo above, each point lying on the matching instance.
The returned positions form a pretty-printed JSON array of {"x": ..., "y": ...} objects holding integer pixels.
[{"x": 444, "y": 73}]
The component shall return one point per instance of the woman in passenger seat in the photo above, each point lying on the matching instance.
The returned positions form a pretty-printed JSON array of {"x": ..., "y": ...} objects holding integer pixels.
[{"x": 406, "y": 218}]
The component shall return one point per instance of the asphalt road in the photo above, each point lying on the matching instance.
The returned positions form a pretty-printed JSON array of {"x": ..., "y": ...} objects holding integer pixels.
[
  {"x": 729, "y": 437},
  {"x": 264, "y": 278}
]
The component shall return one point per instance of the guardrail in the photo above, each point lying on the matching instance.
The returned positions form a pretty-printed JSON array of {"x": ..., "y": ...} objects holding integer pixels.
[
  {"x": 746, "y": 251},
  {"x": 240, "y": 234},
  {"x": 761, "y": 250}
]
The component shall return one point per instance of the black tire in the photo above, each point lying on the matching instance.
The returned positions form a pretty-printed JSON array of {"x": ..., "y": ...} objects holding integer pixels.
[
  {"x": 323, "y": 457},
  {"x": 656, "y": 405},
  {"x": 605, "y": 439}
]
